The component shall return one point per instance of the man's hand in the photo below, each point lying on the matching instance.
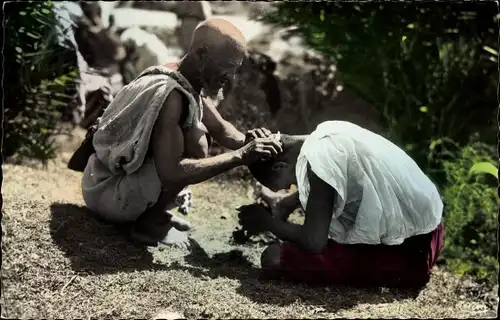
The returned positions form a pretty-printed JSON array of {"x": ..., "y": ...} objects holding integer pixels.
[
  {"x": 254, "y": 218},
  {"x": 256, "y": 133},
  {"x": 260, "y": 148}
]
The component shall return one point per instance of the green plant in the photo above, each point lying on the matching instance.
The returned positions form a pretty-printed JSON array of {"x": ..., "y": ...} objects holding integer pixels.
[
  {"x": 484, "y": 167},
  {"x": 429, "y": 69},
  {"x": 470, "y": 212},
  {"x": 37, "y": 77}
]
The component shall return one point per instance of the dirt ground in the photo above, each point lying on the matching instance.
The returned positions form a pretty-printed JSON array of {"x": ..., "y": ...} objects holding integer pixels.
[{"x": 60, "y": 261}]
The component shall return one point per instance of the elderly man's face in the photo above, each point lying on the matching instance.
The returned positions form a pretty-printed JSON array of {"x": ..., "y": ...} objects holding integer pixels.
[
  {"x": 218, "y": 76},
  {"x": 217, "y": 85}
]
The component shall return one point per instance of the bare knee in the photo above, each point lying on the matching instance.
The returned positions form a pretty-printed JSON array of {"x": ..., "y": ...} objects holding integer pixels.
[{"x": 270, "y": 260}]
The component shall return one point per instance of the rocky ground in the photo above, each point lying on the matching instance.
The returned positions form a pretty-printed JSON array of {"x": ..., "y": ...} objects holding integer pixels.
[{"x": 60, "y": 261}]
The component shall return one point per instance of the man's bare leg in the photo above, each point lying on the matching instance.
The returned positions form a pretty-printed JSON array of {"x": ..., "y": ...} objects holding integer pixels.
[
  {"x": 158, "y": 225},
  {"x": 281, "y": 205}
]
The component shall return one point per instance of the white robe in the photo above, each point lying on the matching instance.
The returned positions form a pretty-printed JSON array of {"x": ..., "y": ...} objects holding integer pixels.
[{"x": 383, "y": 196}]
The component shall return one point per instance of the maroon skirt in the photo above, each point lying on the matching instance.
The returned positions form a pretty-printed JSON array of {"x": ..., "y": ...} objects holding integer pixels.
[{"x": 403, "y": 266}]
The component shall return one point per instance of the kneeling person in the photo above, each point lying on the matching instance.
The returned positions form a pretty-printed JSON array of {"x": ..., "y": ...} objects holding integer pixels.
[{"x": 372, "y": 217}]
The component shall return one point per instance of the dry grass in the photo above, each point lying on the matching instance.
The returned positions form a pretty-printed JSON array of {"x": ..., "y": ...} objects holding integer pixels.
[{"x": 59, "y": 261}]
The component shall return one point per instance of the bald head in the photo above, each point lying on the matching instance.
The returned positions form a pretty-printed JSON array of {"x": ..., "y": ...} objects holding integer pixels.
[
  {"x": 217, "y": 50},
  {"x": 218, "y": 34}
]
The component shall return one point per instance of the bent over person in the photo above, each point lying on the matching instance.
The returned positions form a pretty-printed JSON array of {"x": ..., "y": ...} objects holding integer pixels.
[
  {"x": 151, "y": 142},
  {"x": 372, "y": 217}
]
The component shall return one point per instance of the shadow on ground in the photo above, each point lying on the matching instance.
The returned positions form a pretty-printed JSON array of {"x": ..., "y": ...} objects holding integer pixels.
[
  {"x": 253, "y": 285},
  {"x": 96, "y": 246}
]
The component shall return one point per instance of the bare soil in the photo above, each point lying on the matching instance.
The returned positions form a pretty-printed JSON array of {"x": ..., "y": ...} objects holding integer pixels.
[{"x": 60, "y": 261}]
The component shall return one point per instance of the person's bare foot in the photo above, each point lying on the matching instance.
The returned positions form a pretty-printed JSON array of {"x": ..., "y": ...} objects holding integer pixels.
[
  {"x": 180, "y": 223},
  {"x": 176, "y": 238},
  {"x": 171, "y": 237},
  {"x": 172, "y": 232}
]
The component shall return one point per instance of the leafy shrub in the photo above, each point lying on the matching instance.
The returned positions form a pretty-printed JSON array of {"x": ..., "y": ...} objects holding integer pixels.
[
  {"x": 470, "y": 212},
  {"x": 35, "y": 80},
  {"x": 429, "y": 68}
]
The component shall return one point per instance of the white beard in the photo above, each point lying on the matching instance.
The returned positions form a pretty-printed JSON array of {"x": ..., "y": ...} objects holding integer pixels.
[{"x": 215, "y": 98}]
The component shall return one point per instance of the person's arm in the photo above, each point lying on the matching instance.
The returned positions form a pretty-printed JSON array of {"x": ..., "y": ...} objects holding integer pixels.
[
  {"x": 168, "y": 149},
  {"x": 287, "y": 205},
  {"x": 313, "y": 234},
  {"x": 221, "y": 130}
]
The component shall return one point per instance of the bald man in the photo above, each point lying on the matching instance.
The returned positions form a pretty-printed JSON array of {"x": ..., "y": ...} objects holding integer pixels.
[{"x": 129, "y": 180}]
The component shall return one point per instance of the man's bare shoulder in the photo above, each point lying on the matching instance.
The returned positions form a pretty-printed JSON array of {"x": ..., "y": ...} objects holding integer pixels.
[{"x": 172, "y": 108}]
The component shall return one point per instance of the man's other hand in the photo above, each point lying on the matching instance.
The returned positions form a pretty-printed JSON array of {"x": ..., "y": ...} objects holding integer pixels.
[
  {"x": 254, "y": 218},
  {"x": 260, "y": 148},
  {"x": 256, "y": 133}
]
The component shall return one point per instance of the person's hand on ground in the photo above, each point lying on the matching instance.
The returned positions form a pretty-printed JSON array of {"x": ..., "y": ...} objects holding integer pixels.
[
  {"x": 254, "y": 218},
  {"x": 260, "y": 148},
  {"x": 240, "y": 236},
  {"x": 257, "y": 133}
]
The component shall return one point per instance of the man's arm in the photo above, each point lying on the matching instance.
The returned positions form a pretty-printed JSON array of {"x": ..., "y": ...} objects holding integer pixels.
[
  {"x": 313, "y": 234},
  {"x": 168, "y": 149},
  {"x": 221, "y": 130}
]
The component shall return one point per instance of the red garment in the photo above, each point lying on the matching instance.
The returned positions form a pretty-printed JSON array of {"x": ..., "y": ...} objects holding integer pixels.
[{"x": 405, "y": 265}]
